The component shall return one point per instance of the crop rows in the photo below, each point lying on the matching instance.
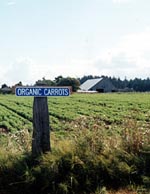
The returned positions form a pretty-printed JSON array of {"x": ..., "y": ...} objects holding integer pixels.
[
  {"x": 16, "y": 112},
  {"x": 11, "y": 121}
]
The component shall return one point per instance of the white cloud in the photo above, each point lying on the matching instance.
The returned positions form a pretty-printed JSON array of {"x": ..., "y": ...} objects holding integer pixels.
[
  {"x": 74, "y": 68},
  {"x": 11, "y": 3},
  {"x": 28, "y": 71},
  {"x": 20, "y": 70},
  {"x": 130, "y": 57}
]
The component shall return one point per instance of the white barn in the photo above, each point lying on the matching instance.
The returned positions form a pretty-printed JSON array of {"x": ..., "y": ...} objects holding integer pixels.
[{"x": 99, "y": 85}]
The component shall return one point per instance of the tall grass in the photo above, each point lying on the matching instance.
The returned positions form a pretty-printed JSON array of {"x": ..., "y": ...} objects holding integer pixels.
[{"x": 94, "y": 158}]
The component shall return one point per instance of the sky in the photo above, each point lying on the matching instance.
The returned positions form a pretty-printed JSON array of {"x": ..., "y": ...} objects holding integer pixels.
[{"x": 48, "y": 38}]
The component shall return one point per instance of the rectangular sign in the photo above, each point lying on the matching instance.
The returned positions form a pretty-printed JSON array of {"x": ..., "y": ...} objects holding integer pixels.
[{"x": 42, "y": 91}]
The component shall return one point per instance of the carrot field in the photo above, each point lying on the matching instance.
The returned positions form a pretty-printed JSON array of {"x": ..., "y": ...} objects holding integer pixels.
[
  {"x": 110, "y": 109},
  {"x": 100, "y": 144}
]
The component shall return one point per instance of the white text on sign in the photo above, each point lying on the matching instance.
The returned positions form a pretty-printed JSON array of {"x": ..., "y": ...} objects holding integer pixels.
[{"x": 42, "y": 91}]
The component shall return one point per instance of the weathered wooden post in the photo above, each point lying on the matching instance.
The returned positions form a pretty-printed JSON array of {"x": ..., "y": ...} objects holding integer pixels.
[{"x": 41, "y": 127}]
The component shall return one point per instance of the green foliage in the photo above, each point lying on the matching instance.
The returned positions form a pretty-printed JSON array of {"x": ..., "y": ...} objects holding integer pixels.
[
  {"x": 68, "y": 81},
  {"x": 60, "y": 81},
  {"x": 4, "y": 86},
  {"x": 45, "y": 82}
]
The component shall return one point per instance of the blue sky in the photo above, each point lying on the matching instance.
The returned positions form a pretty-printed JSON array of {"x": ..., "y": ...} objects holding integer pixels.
[{"x": 47, "y": 38}]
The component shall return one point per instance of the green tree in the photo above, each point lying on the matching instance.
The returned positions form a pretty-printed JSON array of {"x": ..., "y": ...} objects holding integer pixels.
[
  {"x": 68, "y": 81},
  {"x": 4, "y": 86},
  {"x": 46, "y": 82}
]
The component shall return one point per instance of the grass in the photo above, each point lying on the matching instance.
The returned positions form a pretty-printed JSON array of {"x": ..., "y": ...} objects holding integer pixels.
[{"x": 100, "y": 144}]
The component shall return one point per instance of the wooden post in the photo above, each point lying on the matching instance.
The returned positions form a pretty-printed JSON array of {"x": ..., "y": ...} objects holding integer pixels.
[{"x": 41, "y": 128}]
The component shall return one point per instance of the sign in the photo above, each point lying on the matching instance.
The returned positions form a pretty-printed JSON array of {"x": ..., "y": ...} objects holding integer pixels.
[{"x": 42, "y": 91}]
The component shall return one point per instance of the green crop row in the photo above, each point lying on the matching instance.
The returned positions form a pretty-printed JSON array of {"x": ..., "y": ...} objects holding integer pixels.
[
  {"x": 109, "y": 108},
  {"x": 11, "y": 121}
]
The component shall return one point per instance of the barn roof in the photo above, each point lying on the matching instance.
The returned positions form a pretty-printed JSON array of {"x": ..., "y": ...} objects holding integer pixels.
[{"x": 89, "y": 84}]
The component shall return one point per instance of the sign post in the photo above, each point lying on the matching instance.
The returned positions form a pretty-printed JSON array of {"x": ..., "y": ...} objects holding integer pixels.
[{"x": 41, "y": 128}]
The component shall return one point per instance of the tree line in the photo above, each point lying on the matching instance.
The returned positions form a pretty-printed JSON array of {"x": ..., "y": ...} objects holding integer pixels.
[
  {"x": 136, "y": 84},
  {"x": 58, "y": 81}
]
